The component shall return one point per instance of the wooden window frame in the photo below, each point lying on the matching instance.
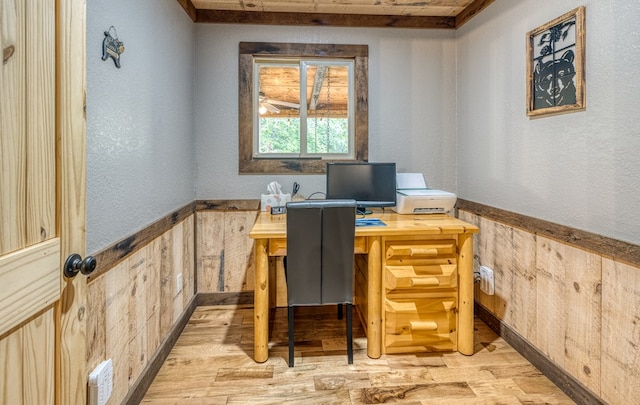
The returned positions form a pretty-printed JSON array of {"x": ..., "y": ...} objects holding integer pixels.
[{"x": 248, "y": 164}]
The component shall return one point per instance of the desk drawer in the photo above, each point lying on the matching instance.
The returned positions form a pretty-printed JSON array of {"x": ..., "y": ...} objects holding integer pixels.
[
  {"x": 420, "y": 251},
  {"x": 278, "y": 246},
  {"x": 420, "y": 277},
  {"x": 413, "y": 325}
]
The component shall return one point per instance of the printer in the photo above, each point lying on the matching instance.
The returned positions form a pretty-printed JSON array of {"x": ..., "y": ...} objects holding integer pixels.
[{"x": 413, "y": 196}]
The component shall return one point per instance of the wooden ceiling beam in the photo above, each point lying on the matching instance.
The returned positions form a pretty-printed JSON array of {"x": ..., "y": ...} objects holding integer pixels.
[
  {"x": 471, "y": 11},
  {"x": 189, "y": 8},
  {"x": 323, "y": 19}
]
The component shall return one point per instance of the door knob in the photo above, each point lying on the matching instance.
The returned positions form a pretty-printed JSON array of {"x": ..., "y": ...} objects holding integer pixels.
[{"x": 75, "y": 264}]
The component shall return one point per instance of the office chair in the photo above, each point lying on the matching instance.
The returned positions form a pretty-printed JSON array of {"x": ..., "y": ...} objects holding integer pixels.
[{"x": 319, "y": 262}]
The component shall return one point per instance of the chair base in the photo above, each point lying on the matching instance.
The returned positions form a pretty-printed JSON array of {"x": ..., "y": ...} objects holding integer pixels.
[{"x": 349, "y": 332}]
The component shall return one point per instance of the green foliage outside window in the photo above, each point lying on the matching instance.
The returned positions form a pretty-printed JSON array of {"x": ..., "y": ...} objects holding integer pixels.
[
  {"x": 279, "y": 135},
  {"x": 282, "y": 135}
]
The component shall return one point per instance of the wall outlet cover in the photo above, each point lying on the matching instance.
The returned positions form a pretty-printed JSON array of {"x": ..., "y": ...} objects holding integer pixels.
[
  {"x": 487, "y": 281},
  {"x": 101, "y": 383}
]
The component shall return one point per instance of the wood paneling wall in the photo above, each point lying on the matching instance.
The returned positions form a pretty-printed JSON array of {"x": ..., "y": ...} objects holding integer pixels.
[
  {"x": 620, "y": 351},
  {"x": 225, "y": 261},
  {"x": 574, "y": 297},
  {"x": 133, "y": 305},
  {"x": 578, "y": 307}
]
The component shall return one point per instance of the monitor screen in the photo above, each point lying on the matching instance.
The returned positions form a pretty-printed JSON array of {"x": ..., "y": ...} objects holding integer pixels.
[{"x": 370, "y": 184}]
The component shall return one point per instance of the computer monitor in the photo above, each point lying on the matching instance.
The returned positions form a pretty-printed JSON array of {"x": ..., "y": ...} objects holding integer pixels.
[{"x": 370, "y": 184}]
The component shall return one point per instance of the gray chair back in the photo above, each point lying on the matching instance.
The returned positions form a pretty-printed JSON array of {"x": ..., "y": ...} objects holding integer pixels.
[{"x": 320, "y": 238}]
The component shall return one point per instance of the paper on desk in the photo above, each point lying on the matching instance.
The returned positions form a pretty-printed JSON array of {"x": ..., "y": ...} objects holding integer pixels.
[{"x": 410, "y": 181}]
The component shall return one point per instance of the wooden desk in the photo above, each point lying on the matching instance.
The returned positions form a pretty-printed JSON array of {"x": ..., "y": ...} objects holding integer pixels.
[{"x": 427, "y": 263}]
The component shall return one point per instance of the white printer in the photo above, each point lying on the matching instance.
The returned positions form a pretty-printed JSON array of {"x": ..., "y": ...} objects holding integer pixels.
[{"x": 413, "y": 196}]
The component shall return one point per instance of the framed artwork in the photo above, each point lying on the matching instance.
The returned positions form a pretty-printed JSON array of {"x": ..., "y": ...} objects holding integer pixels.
[{"x": 555, "y": 65}]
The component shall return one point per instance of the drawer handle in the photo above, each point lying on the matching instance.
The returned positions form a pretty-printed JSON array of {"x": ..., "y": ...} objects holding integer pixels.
[
  {"x": 424, "y": 326},
  {"x": 424, "y": 282},
  {"x": 423, "y": 251}
]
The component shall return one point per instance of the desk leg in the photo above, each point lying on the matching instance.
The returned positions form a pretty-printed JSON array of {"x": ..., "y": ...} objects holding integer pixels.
[
  {"x": 465, "y": 294},
  {"x": 374, "y": 297},
  {"x": 261, "y": 303}
]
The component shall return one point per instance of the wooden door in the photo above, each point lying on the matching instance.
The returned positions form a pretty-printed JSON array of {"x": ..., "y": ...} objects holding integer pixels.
[{"x": 42, "y": 201}]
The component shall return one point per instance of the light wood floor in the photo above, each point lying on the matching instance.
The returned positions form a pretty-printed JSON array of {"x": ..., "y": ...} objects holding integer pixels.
[{"x": 212, "y": 363}]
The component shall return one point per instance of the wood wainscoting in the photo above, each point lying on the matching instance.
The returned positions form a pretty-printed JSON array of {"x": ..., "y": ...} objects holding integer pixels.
[
  {"x": 136, "y": 308},
  {"x": 572, "y": 295}
]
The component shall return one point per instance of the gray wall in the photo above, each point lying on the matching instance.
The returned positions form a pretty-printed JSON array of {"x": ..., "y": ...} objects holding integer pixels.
[
  {"x": 411, "y": 104},
  {"x": 449, "y": 104},
  {"x": 139, "y": 117},
  {"x": 580, "y": 169}
]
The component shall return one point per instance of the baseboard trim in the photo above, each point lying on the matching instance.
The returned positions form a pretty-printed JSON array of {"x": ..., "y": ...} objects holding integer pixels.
[
  {"x": 142, "y": 384},
  {"x": 567, "y": 383},
  {"x": 225, "y": 298}
]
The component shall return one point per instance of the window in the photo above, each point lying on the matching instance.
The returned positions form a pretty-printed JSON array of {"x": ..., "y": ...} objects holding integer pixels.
[
  {"x": 303, "y": 121},
  {"x": 287, "y": 127}
]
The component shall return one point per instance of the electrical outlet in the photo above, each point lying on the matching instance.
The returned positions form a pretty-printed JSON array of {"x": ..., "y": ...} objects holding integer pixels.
[
  {"x": 101, "y": 383},
  {"x": 179, "y": 283},
  {"x": 487, "y": 282}
]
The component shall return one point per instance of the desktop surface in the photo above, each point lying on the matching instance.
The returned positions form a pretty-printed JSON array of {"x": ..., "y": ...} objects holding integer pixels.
[{"x": 275, "y": 226}]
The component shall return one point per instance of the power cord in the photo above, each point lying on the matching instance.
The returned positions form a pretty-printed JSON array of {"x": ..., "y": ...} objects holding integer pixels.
[{"x": 316, "y": 193}]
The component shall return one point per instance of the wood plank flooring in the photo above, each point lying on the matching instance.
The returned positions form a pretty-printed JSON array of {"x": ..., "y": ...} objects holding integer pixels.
[{"x": 212, "y": 363}]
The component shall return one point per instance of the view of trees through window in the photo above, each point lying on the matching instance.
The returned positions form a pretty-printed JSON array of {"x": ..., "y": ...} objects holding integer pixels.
[
  {"x": 304, "y": 108},
  {"x": 324, "y": 135}
]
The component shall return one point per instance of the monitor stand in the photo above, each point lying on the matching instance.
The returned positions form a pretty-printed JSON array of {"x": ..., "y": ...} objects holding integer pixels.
[{"x": 360, "y": 210}]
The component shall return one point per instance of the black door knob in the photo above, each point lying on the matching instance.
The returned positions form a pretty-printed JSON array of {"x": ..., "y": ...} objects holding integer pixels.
[{"x": 75, "y": 264}]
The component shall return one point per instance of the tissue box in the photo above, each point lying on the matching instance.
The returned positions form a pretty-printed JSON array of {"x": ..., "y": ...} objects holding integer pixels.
[{"x": 273, "y": 200}]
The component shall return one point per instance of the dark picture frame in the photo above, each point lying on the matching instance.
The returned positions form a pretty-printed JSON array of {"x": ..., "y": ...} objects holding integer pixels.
[{"x": 556, "y": 65}]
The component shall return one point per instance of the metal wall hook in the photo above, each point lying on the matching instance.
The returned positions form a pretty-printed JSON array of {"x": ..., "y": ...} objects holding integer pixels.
[{"x": 112, "y": 47}]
